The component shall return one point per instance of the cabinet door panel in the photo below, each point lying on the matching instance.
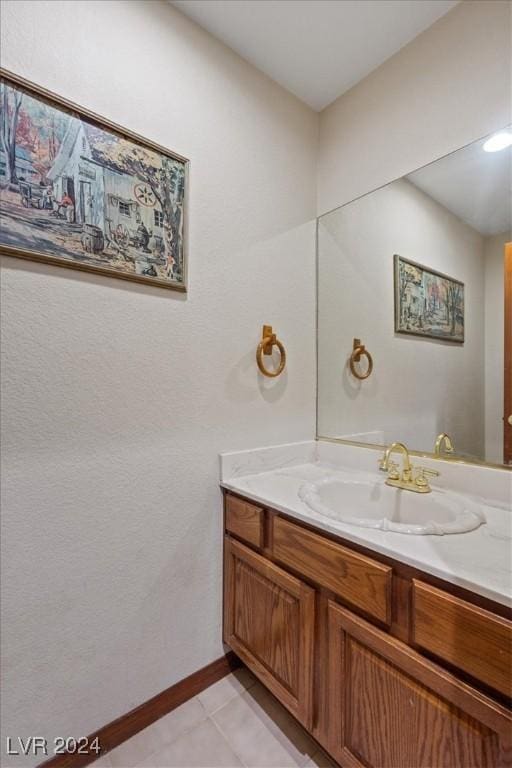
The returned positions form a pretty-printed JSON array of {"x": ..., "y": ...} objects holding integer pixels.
[
  {"x": 390, "y": 708},
  {"x": 269, "y": 623}
]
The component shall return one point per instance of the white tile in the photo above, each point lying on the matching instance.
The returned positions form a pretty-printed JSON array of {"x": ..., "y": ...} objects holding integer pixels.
[
  {"x": 281, "y": 722},
  {"x": 158, "y": 735},
  {"x": 153, "y": 739},
  {"x": 262, "y": 733},
  {"x": 131, "y": 752},
  {"x": 218, "y": 694},
  {"x": 179, "y": 721},
  {"x": 202, "y": 747},
  {"x": 102, "y": 762}
]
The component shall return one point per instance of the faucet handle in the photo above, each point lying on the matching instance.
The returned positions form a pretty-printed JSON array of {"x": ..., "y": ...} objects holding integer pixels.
[
  {"x": 393, "y": 471},
  {"x": 432, "y": 472},
  {"x": 421, "y": 479}
]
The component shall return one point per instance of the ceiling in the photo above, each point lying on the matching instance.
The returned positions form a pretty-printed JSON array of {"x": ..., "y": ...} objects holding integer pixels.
[
  {"x": 317, "y": 49},
  {"x": 474, "y": 185}
]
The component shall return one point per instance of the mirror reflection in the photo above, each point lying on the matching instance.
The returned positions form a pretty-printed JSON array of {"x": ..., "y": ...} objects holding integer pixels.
[{"x": 414, "y": 319}]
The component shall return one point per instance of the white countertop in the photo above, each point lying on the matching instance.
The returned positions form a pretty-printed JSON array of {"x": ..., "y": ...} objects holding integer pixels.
[{"x": 479, "y": 560}]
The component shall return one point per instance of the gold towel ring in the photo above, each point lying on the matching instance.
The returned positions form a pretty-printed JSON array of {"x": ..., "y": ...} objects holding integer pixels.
[
  {"x": 358, "y": 351},
  {"x": 268, "y": 339}
]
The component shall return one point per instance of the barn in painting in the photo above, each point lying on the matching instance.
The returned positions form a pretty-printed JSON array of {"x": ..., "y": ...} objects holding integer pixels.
[{"x": 103, "y": 194}]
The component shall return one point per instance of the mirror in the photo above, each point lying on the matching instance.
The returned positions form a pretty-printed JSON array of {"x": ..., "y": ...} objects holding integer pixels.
[{"x": 411, "y": 290}]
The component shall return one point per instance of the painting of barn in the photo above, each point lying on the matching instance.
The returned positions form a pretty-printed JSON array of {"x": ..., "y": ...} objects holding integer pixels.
[{"x": 77, "y": 192}]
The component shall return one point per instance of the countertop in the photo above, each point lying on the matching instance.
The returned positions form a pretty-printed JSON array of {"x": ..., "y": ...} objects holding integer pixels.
[{"x": 479, "y": 560}]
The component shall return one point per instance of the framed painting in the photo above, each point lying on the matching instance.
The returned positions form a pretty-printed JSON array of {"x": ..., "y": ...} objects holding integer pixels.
[
  {"x": 79, "y": 191},
  {"x": 427, "y": 303}
]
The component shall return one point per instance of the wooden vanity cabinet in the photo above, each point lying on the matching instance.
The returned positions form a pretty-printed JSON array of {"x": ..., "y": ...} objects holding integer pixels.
[{"x": 384, "y": 668}]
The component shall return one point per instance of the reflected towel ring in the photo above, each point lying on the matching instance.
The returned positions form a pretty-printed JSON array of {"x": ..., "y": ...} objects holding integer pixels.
[
  {"x": 359, "y": 350},
  {"x": 265, "y": 347}
]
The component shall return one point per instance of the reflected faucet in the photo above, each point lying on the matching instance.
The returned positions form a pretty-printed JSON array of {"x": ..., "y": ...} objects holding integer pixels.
[
  {"x": 445, "y": 439},
  {"x": 411, "y": 478}
]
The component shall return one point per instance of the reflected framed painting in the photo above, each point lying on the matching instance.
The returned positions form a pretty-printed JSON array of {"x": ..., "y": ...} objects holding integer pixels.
[
  {"x": 79, "y": 191},
  {"x": 427, "y": 302}
]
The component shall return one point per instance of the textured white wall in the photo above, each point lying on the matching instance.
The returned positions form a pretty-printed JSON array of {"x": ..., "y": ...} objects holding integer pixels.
[
  {"x": 419, "y": 387},
  {"x": 117, "y": 397},
  {"x": 446, "y": 88},
  {"x": 494, "y": 255}
]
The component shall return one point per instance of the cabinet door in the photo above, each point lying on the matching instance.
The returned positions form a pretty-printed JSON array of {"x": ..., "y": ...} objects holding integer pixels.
[
  {"x": 391, "y": 708},
  {"x": 269, "y": 623}
]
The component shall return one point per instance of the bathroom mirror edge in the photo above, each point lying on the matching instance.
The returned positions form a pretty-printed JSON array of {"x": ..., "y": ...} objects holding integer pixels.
[{"x": 450, "y": 459}]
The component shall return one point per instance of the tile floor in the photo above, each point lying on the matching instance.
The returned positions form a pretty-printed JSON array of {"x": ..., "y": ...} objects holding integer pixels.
[{"x": 235, "y": 722}]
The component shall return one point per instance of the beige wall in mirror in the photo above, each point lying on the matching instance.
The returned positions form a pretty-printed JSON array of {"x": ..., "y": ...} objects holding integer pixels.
[{"x": 416, "y": 271}]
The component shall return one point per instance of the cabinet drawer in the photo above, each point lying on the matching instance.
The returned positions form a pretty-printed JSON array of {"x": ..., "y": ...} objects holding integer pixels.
[
  {"x": 244, "y": 520},
  {"x": 470, "y": 638},
  {"x": 363, "y": 582}
]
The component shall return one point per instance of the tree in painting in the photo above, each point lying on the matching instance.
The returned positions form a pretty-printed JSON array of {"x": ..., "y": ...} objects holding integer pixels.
[
  {"x": 30, "y": 136},
  {"x": 10, "y": 101},
  {"x": 453, "y": 294}
]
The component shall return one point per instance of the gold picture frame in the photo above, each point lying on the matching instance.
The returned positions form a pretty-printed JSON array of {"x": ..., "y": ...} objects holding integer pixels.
[{"x": 81, "y": 192}]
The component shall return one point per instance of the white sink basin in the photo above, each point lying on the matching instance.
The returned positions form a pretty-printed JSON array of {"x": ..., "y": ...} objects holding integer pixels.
[{"x": 373, "y": 504}]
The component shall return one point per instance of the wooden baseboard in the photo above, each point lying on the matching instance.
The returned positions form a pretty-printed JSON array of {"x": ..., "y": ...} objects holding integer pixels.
[{"x": 113, "y": 734}]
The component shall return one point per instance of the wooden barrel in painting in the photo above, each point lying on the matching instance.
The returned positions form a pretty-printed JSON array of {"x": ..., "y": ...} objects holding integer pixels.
[{"x": 92, "y": 239}]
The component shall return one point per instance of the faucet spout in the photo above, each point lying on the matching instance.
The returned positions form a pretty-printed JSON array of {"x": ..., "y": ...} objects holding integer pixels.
[
  {"x": 384, "y": 464},
  {"x": 443, "y": 439}
]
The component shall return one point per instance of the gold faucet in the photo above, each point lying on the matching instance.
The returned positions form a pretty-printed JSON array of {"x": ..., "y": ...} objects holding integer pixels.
[
  {"x": 385, "y": 464},
  {"x": 448, "y": 445},
  {"x": 411, "y": 478}
]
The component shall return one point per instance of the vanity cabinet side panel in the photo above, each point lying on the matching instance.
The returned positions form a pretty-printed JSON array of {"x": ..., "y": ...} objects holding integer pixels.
[
  {"x": 269, "y": 621},
  {"x": 469, "y": 637},
  {"x": 391, "y": 708}
]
